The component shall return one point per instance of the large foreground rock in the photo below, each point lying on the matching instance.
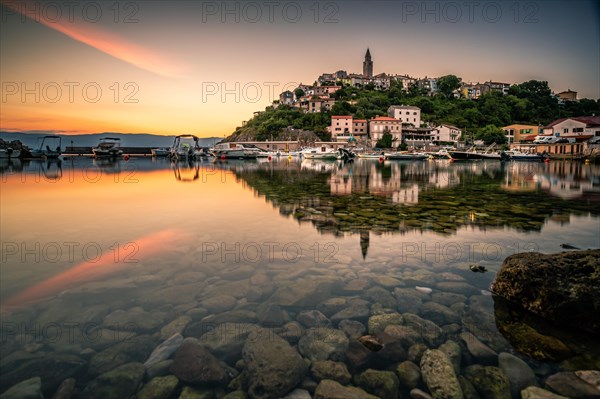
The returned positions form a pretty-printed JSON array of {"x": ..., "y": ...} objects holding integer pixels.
[
  {"x": 274, "y": 368},
  {"x": 563, "y": 288}
]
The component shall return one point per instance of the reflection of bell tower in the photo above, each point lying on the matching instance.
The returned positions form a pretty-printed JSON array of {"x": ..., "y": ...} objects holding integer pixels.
[
  {"x": 364, "y": 242},
  {"x": 368, "y": 65}
]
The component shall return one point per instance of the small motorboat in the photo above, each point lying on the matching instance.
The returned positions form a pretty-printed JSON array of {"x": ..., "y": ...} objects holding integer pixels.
[
  {"x": 44, "y": 150},
  {"x": 320, "y": 153},
  {"x": 9, "y": 153},
  {"x": 185, "y": 146},
  {"x": 406, "y": 156},
  {"x": 108, "y": 147},
  {"x": 372, "y": 155},
  {"x": 160, "y": 152},
  {"x": 440, "y": 154},
  {"x": 237, "y": 151},
  {"x": 516, "y": 155}
]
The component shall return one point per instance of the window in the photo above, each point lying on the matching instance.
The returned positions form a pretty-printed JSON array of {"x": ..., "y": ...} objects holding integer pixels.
[
  {"x": 566, "y": 130},
  {"x": 577, "y": 130}
]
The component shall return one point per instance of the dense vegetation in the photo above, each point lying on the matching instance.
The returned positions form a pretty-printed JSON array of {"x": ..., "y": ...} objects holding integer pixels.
[{"x": 530, "y": 102}]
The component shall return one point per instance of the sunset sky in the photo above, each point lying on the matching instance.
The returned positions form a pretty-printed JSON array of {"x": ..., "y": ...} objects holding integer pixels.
[{"x": 203, "y": 67}]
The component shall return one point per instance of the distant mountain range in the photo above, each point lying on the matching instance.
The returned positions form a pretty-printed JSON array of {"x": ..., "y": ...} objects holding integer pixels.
[{"x": 30, "y": 139}]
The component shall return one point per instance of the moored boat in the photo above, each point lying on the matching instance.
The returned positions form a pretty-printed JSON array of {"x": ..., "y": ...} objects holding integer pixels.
[
  {"x": 185, "y": 146},
  {"x": 440, "y": 154},
  {"x": 45, "y": 150},
  {"x": 9, "y": 153},
  {"x": 371, "y": 155},
  {"x": 320, "y": 153},
  {"x": 516, "y": 155},
  {"x": 236, "y": 150},
  {"x": 160, "y": 152},
  {"x": 108, "y": 147},
  {"x": 406, "y": 156}
]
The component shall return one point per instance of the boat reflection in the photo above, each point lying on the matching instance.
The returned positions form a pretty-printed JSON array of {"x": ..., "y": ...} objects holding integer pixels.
[{"x": 186, "y": 170}]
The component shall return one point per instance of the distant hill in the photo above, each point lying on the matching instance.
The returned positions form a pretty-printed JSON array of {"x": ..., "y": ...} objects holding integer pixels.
[{"x": 30, "y": 139}]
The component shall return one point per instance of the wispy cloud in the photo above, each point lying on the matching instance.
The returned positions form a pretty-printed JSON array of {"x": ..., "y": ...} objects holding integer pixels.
[{"x": 107, "y": 42}]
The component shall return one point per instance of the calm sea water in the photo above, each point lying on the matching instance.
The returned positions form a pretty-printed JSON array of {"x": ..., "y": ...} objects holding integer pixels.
[{"x": 130, "y": 246}]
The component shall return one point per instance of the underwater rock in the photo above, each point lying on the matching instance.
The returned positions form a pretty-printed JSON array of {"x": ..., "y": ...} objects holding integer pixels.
[
  {"x": 439, "y": 376},
  {"x": 330, "y": 370},
  {"x": 274, "y": 368},
  {"x": 328, "y": 389},
  {"x": 194, "y": 364},
  {"x": 383, "y": 384},
  {"x": 121, "y": 382},
  {"x": 563, "y": 288},
  {"x": 322, "y": 343}
]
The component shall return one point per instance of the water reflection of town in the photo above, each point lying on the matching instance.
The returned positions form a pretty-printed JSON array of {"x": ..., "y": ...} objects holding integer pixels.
[
  {"x": 566, "y": 180},
  {"x": 400, "y": 183}
]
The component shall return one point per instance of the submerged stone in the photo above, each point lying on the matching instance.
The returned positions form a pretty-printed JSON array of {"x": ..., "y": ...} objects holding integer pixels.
[
  {"x": 518, "y": 372},
  {"x": 330, "y": 370},
  {"x": 194, "y": 364},
  {"x": 118, "y": 383},
  {"x": 158, "y": 388},
  {"x": 383, "y": 384},
  {"x": 490, "y": 382},
  {"x": 563, "y": 288},
  {"x": 569, "y": 384},
  {"x": 28, "y": 389},
  {"x": 439, "y": 376},
  {"x": 274, "y": 368},
  {"x": 164, "y": 350},
  {"x": 409, "y": 374},
  {"x": 328, "y": 389},
  {"x": 322, "y": 343}
]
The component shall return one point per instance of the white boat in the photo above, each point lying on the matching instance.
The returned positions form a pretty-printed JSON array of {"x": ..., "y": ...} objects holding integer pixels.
[
  {"x": 44, "y": 150},
  {"x": 108, "y": 147},
  {"x": 6, "y": 153},
  {"x": 320, "y": 153},
  {"x": 440, "y": 154},
  {"x": 372, "y": 155},
  {"x": 160, "y": 152},
  {"x": 516, "y": 155},
  {"x": 236, "y": 150},
  {"x": 406, "y": 156}
]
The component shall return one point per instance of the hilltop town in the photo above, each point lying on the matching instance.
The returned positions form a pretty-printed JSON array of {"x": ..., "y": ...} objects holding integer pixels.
[{"x": 364, "y": 109}]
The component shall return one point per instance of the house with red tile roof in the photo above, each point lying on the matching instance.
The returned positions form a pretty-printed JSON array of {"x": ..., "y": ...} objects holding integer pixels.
[
  {"x": 382, "y": 124},
  {"x": 579, "y": 127}
]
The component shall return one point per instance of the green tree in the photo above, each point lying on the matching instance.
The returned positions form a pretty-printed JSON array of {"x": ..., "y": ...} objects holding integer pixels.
[
  {"x": 491, "y": 134},
  {"x": 447, "y": 84},
  {"x": 403, "y": 146},
  {"x": 299, "y": 92},
  {"x": 386, "y": 140}
]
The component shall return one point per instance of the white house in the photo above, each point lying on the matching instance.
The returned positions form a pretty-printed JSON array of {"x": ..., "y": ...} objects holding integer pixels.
[
  {"x": 406, "y": 114},
  {"x": 446, "y": 133},
  {"x": 578, "y": 127}
]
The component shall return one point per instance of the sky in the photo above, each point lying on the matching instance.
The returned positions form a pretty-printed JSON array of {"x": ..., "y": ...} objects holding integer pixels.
[{"x": 177, "y": 67}]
